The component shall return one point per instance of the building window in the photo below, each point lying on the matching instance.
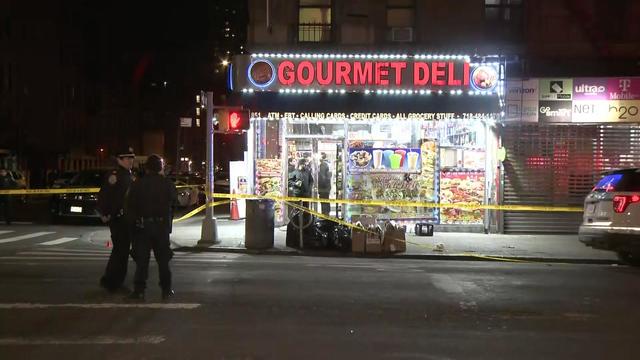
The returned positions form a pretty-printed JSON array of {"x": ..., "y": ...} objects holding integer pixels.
[
  {"x": 400, "y": 20},
  {"x": 504, "y": 17},
  {"x": 314, "y": 21}
]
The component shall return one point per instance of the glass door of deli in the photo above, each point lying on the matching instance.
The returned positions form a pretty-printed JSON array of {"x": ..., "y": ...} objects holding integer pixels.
[{"x": 324, "y": 161}]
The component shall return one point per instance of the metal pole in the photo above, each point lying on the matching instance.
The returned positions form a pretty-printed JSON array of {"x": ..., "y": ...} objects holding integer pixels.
[
  {"x": 209, "y": 234},
  {"x": 301, "y": 223}
]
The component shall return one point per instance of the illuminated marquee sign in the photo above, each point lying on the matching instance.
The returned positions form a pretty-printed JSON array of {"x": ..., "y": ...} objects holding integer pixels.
[
  {"x": 320, "y": 116},
  {"x": 265, "y": 72}
]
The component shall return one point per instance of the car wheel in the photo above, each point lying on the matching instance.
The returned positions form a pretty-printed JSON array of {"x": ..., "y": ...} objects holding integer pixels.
[{"x": 629, "y": 258}]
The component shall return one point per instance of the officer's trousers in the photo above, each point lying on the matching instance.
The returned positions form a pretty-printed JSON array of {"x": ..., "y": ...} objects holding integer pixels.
[
  {"x": 326, "y": 207},
  {"x": 116, "y": 270},
  {"x": 154, "y": 237},
  {"x": 5, "y": 208}
]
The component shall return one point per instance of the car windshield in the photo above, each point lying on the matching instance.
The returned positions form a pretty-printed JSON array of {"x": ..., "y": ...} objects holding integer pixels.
[
  {"x": 88, "y": 178},
  {"x": 623, "y": 181}
]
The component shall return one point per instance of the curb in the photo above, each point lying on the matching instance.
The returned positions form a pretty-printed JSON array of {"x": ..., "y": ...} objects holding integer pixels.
[{"x": 450, "y": 257}]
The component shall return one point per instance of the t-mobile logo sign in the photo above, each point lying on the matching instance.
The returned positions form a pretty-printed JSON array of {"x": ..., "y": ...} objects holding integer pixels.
[{"x": 625, "y": 84}]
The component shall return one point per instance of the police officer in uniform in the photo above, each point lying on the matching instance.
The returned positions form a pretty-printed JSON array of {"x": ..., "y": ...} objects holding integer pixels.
[
  {"x": 149, "y": 204},
  {"x": 111, "y": 202}
]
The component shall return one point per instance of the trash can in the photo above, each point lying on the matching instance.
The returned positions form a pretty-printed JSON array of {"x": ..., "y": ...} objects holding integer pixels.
[{"x": 258, "y": 226}]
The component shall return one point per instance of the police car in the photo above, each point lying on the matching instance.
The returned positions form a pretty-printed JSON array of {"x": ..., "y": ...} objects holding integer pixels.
[
  {"x": 612, "y": 215},
  {"x": 79, "y": 205}
]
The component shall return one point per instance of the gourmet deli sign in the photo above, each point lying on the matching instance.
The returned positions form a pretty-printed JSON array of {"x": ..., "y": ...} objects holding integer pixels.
[{"x": 315, "y": 72}]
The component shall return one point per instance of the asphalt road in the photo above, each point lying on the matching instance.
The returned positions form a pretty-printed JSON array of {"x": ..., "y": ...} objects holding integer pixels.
[{"x": 234, "y": 306}]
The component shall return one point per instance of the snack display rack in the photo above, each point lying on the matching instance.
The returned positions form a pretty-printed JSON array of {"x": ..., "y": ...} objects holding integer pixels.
[{"x": 269, "y": 182}]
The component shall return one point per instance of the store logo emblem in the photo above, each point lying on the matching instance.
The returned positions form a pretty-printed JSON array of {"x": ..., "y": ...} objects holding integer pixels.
[
  {"x": 484, "y": 78},
  {"x": 625, "y": 84},
  {"x": 555, "y": 87},
  {"x": 261, "y": 73},
  {"x": 519, "y": 90},
  {"x": 590, "y": 89},
  {"x": 546, "y": 110}
]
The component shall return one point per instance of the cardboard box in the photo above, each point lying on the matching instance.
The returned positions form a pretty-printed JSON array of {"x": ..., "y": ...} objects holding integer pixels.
[
  {"x": 374, "y": 240},
  {"x": 394, "y": 240},
  {"x": 358, "y": 240},
  {"x": 365, "y": 220}
]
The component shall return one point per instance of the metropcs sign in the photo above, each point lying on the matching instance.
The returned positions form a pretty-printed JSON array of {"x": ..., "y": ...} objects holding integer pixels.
[{"x": 351, "y": 73}]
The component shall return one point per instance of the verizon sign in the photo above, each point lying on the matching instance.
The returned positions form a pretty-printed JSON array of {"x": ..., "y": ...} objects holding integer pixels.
[{"x": 522, "y": 100}]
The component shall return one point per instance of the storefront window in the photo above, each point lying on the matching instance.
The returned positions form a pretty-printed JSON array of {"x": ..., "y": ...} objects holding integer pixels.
[{"x": 417, "y": 161}]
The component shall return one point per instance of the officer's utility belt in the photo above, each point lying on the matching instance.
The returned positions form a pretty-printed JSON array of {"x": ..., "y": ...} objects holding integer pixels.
[
  {"x": 153, "y": 220},
  {"x": 141, "y": 222}
]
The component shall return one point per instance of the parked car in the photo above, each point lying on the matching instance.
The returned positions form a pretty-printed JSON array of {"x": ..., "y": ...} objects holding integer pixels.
[
  {"x": 191, "y": 190},
  {"x": 79, "y": 205},
  {"x": 612, "y": 215},
  {"x": 63, "y": 180},
  {"x": 221, "y": 182}
]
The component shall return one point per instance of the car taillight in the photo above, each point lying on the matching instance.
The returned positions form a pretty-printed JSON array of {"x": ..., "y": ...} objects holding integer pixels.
[{"x": 620, "y": 202}]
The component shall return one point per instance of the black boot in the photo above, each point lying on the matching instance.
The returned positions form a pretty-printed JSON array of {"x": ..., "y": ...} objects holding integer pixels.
[
  {"x": 166, "y": 294},
  {"x": 106, "y": 285},
  {"x": 137, "y": 295}
]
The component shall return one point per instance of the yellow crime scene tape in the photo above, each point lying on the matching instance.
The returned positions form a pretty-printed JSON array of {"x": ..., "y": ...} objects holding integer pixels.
[
  {"x": 200, "y": 208},
  {"x": 61, "y": 191},
  {"x": 466, "y": 206},
  {"x": 402, "y": 203},
  {"x": 291, "y": 201}
]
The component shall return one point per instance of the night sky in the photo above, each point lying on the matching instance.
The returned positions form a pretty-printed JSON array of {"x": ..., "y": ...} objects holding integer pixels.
[{"x": 105, "y": 72}]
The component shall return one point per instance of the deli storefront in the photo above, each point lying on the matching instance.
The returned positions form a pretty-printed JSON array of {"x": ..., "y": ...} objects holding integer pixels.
[
  {"x": 560, "y": 135},
  {"x": 391, "y": 127}
]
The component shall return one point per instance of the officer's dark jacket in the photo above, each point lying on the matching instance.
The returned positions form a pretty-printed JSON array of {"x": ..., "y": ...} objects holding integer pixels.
[
  {"x": 151, "y": 196},
  {"x": 324, "y": 177},
  {"x": 305, "y": 181},
  {"x": 112, "y": 193}
]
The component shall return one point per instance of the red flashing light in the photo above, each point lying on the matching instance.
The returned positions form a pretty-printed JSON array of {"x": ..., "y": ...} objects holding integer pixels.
[{"x": 621, "y": 202}]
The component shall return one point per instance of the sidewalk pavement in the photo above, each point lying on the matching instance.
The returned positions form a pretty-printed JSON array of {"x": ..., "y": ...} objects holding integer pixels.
[{"x": 443, "y": 245}]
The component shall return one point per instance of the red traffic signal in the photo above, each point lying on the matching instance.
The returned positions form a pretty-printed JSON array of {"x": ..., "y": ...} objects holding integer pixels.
[{"x": 233, "y": 120}]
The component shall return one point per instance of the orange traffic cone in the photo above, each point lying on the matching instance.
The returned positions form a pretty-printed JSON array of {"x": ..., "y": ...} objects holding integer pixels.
[
  {"x": 108, "y": 244},
  {"x": 235, "y": 214}
]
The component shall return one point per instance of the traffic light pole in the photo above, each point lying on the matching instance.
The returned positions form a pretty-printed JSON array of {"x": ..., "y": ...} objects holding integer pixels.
[{"x": 209, "y": 234}]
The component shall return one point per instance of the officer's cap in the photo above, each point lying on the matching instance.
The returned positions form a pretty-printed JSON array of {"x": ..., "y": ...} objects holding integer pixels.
[{"x": 125, "y": 151}]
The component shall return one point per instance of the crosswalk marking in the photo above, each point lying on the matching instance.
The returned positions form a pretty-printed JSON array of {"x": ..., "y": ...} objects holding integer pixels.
[
  {"x": 23, "y": 237},
  {"x": 5, "y": 231},
  {"x": 168, "y": 306},
  {"x": 58, "y": 241},
  {"x": 99, "y": 340},
  {"x": 62, "y": 254}
]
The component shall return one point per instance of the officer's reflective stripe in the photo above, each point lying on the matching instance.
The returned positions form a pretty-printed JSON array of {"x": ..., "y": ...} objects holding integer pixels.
[
  {"x": 5, "y": 231},
  {"x": 24, "y": 237}
]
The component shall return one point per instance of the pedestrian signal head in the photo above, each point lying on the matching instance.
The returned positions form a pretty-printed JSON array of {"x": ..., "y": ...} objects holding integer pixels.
[{"x": 233, "y": 120}]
